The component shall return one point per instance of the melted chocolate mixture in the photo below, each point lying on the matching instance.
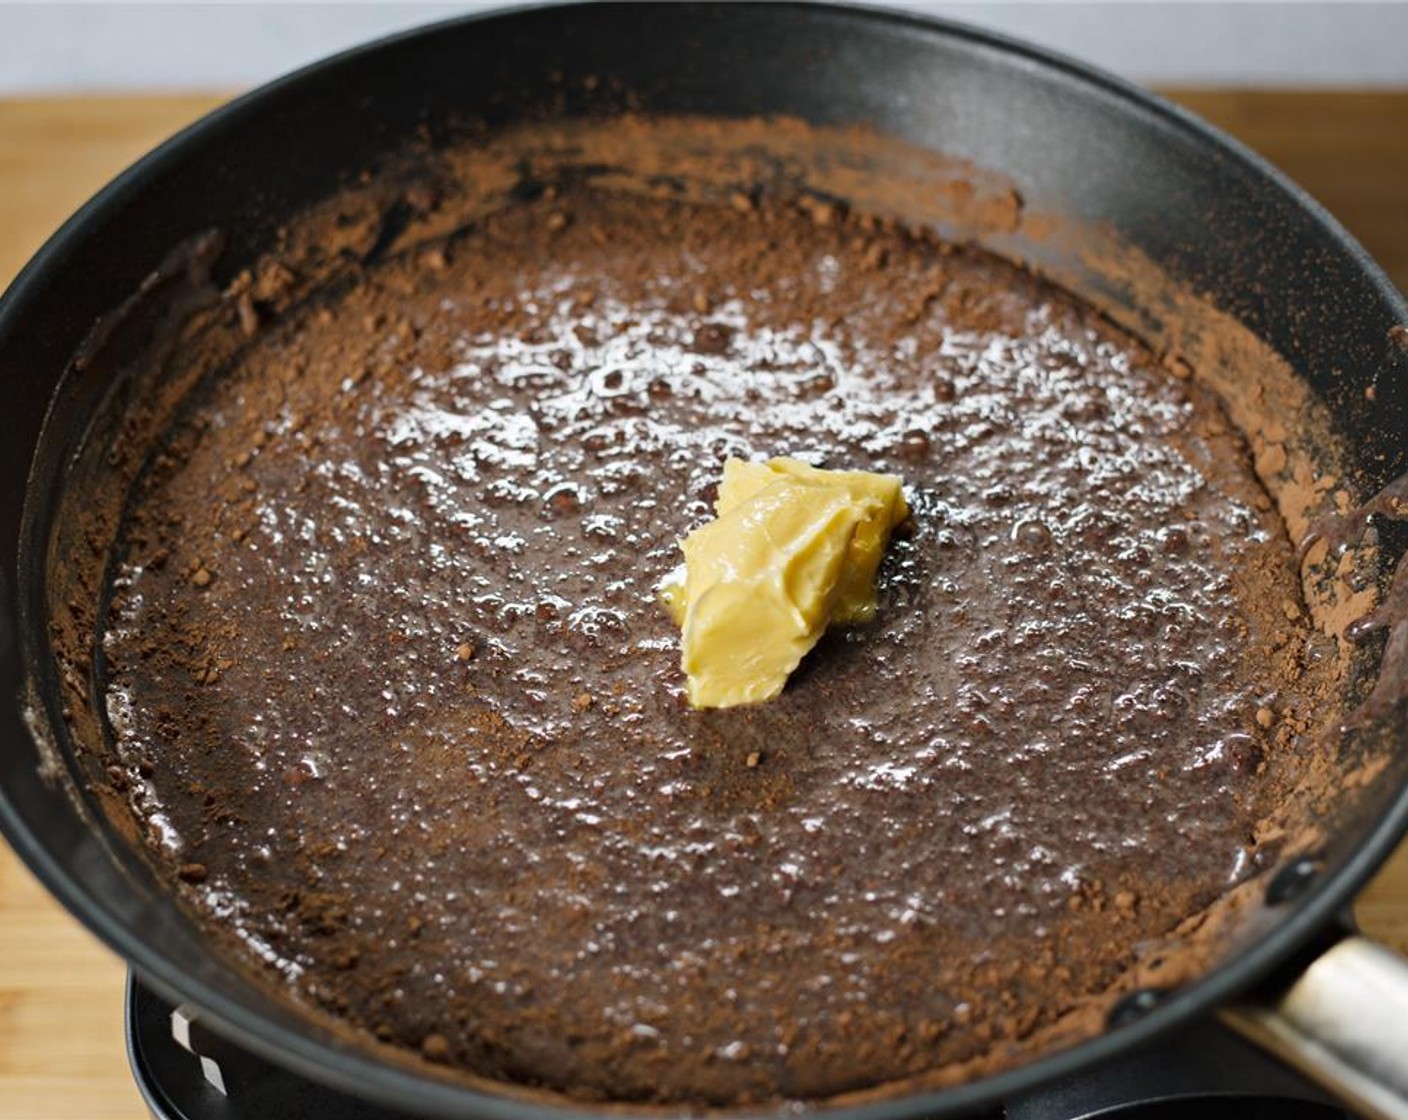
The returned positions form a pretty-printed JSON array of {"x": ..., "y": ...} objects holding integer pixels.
[{"x": 385, "y": 648}]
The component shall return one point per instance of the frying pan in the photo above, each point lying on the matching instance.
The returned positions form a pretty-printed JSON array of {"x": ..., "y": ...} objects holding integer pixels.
[{"x": 1090, "y": 147}]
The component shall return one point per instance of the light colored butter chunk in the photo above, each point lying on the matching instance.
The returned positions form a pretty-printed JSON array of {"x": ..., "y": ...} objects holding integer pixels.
[{"x": 793, "y": 549}]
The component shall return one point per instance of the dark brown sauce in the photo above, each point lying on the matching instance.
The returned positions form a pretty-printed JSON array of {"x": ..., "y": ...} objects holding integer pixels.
[{"x": 410, "y": 721}]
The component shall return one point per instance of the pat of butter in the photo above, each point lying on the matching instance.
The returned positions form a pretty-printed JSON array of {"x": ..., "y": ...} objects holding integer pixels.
[{"x": 793, "y": 549}]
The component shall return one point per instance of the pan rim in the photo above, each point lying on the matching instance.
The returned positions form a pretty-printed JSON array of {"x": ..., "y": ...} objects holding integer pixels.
[{"x": 361, "y": 1071}]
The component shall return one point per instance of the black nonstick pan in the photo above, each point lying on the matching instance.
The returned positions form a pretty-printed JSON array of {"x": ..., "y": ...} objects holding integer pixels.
[{"x": 1089, "y": 150}]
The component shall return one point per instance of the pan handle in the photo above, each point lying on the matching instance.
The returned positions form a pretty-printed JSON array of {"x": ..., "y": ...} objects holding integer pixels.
[{"x": 1342, "y": 1023}]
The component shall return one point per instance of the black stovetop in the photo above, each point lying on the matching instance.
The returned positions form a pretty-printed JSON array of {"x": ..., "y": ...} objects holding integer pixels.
[{"x": 1206, "y": 1074}]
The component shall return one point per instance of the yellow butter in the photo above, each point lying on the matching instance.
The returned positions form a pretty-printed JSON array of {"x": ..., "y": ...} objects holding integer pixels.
[{"x": 793, "y": 549}]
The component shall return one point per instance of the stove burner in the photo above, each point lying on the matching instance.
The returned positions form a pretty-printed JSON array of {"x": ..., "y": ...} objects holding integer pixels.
[{"x": 185, "y": 1071}]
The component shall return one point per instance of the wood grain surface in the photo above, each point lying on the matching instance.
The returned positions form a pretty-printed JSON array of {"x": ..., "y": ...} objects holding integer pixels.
[{"x": 61, "y": 1044}]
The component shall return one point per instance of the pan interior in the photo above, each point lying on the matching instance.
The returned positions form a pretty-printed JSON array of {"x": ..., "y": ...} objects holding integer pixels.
[{"x": 632, "y": 284}]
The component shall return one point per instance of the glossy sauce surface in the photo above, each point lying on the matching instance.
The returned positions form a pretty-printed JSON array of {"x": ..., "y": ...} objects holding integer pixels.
[{"x": 387, "y": 662}]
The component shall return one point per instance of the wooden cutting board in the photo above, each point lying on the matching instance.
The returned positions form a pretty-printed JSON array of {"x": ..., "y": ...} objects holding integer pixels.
[{"x": 61, "y": 993}]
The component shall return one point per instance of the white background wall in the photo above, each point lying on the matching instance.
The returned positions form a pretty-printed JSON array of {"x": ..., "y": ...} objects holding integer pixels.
[{"x": 47, "y": 47}]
